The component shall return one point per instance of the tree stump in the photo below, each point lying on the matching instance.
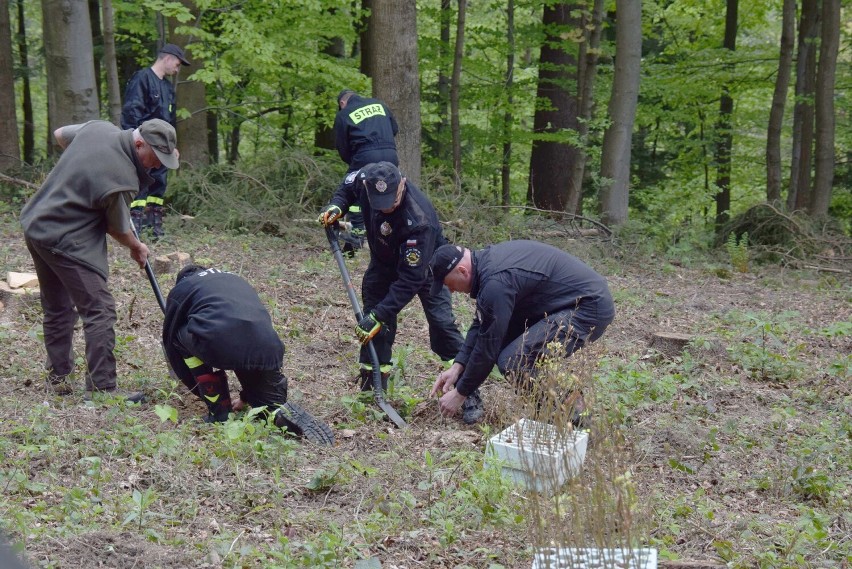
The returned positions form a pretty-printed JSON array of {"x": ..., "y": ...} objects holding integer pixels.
[
  {"x": 669, "y": 344},
  {"x": 172, "y": 262}
]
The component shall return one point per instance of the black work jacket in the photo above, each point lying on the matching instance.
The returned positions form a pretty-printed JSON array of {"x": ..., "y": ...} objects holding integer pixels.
[
  {"x": 516, "y": 284},
  {"x": 219, "y": 318},
  {"x": 148, "y": 97},
  {"x": 364, "y": 133},
  {"x": 402, "y": 240}
]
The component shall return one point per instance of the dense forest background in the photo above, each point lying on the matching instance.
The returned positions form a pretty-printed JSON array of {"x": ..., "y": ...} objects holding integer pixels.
[{"x": 680, "y": 116}]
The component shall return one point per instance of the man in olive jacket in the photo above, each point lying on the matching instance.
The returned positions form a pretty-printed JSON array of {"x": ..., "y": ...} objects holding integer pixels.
[{"x": 84, "y": 198}]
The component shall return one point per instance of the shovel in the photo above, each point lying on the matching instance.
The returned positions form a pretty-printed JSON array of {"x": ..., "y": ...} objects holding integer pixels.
[{"x": 331, "y": 233}]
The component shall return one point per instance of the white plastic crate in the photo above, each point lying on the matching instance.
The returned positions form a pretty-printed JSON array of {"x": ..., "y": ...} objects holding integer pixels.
[
  {"x": 537, "y": 455},
  {"x": 594, "y": 558}
]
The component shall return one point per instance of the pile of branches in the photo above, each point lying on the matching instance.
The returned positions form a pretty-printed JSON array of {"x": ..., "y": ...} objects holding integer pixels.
[{"x": 791, "y": 239}]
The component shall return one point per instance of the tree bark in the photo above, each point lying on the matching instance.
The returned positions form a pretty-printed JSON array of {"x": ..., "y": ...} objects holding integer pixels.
[
  {"x": 71, "y": 89},
  {"x": 190, "y": 96},
  {"x": 615, "y": 157},
  {"x": 396, "y": 81},
  {"x": 824, "y": 108},
  {"x": 97, "y": 43},
  {"x": 27, "y": 99},
  {"x": 552, "y": 162},
  {"x": 724, "y": 126},
  {"x": 588, "y": 65},
  {"x": 508, "y": 116},
  {"x": 455, "y": 89},
  {"x": 10, "y": 151},
  {"x": 779, "y": 98},
  {"x": 442, "y": 149},
  {"x": 110, "y": 64},
  {"x": 364, "y": 37},
  {"x": 798, "y": 196}
]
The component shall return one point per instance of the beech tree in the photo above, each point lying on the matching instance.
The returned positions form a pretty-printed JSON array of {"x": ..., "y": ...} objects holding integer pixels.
[
  {"x": 10, "y": 151},
  {"x": 553, "y": 154},
  {"x": 779, "y": 101},
  {"x": 824, "y": 107},
  {"x": 615, "y": 157},
  {"x": 393, "y": 30},
  {"x": 71, "y": 90}
]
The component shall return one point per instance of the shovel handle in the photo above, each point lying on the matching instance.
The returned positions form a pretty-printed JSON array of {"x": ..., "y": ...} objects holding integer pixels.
[{"x": 331, "y": 234}]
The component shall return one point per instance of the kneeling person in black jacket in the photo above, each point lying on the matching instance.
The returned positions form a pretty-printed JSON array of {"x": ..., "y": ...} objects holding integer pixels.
[{"x": 215, "y": 319}]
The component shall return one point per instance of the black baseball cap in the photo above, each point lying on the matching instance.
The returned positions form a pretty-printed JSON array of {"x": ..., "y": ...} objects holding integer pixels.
[
  {"x": 343, "y": 94},
  {"x": 162, "y": 138},
  {"x": 172, "y": 49},
  {"x": 381, "y": 180},
  {"x": 444, "y": 260}
]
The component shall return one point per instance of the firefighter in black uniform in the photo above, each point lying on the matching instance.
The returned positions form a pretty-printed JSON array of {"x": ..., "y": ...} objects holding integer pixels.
[
  {"x": 151, "y": 95},
  {"x": 528, "y": 294},
  {"x": 403, "y": 231},
  {"x": 215, "y": 319},
  {"x": 364, "y": 131}
]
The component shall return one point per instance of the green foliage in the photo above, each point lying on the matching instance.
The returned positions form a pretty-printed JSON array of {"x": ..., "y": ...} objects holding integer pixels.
[
  {"x": 738, "y": 251},
  {"x": 761, "y": 350}
]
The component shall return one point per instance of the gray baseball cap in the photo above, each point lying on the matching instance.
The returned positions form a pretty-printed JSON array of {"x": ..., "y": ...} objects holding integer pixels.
[{"x": 161, "y": 136}]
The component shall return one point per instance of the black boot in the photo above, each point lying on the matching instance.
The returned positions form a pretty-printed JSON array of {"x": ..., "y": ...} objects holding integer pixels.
[
  {"x": 366, "y": 380},
  {"x": 472, "y": 408},
  {"x": 156, "y": 220},
  {"x": 214, "y": 391},
  {"x": 302, "y": 424},
  {"x": 137, "y": 215}
]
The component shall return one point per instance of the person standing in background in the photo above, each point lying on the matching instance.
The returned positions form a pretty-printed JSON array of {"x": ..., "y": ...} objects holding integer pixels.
[{"x": 150, "y": 95}]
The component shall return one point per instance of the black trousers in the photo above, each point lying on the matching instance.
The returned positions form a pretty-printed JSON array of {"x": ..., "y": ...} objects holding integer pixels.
[
  {"x": 66, "y": 285},
  {"x": 570, "y": 329},
  {"x": 259, "y": 387},
  {"x": 444, "y": 336}
]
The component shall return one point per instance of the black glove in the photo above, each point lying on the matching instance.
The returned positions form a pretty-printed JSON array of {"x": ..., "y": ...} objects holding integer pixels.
[
  {"x": 367, "y": 327},
  {"x": 329, "y": 215}
]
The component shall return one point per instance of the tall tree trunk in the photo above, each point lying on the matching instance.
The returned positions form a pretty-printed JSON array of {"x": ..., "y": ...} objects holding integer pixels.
[
  {"x": 508, "y": 116},
  {"x": 10, "y": 151},
  {"x": 191, "y": 96},
  {"x": 442, "y": 148},
  {"x": 324, "y": 134},
  {"x": 396, "y": 81},
  {"x": 824, "y": 107},
  {"x": 27, "y": 98},
  {"x": 71, "y": 89},
  {"x": 97, "y": 43},
  {"x": 551, "y": 162},
  {"x": 615, "y": 157},
  {"x": 798, "y": 196},
  {"x": 110, "y": 64},
  {"x": 364, "y": 37},
  {"x": 455, "y": 89},
  {"x": 588, "y": 65},
  {"x": 724, "y": 126},
  {"x": 779, "y": 98}
]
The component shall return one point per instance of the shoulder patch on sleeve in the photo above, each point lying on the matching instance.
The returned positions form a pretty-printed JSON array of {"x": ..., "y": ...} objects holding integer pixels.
[
  {"x": 413, "y": 256},
  {"x": 350, "y": 177}
]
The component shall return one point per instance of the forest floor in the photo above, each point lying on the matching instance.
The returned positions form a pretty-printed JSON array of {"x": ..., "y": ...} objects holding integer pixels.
[{"x": 737, "y": 451}]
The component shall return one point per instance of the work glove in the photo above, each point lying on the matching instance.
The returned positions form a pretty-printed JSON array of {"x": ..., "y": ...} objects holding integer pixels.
[
  {"x": 367, "y": 327},
  {"x": 329, "y": 215}
]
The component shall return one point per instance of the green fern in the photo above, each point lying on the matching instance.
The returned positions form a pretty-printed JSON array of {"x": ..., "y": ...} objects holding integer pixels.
[{"x": 738, "y": 251}]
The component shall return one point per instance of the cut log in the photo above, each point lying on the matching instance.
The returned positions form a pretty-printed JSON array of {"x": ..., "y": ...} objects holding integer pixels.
[
  {"x": 171, "y": 262},
  {"x": 22, "y": 280},
  {"x": 670, "y": 344},
  {"x": 15, "y": 296},
  {"x": 162, "y": 265}
]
